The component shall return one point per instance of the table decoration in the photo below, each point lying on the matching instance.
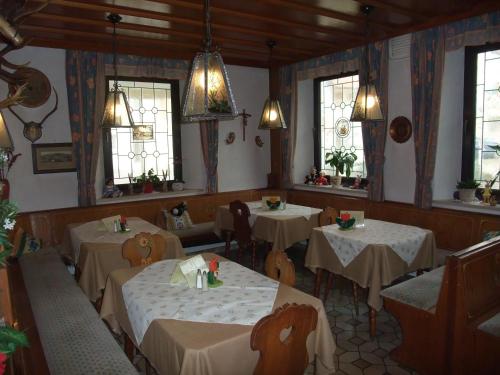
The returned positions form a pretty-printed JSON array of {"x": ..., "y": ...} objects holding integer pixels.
[
  {"x": 345, "y": 221},
  {"x": 213, "y": 273},
  {"x": 186, "y": 271}
]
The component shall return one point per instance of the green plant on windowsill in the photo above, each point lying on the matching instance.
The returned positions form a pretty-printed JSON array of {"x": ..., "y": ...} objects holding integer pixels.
[
  {"x": 148, "y": 181},
  {"x": 467, "y": 190},
  {"x": 467, "y": 184},
  {"x": 340, "y": 160}
]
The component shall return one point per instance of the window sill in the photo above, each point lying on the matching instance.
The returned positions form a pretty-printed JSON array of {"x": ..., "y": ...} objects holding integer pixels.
[
  {"x": 457, "y": 205},
  {"x": 150, "y": 196},
  {"x": 332, "y": 190}
]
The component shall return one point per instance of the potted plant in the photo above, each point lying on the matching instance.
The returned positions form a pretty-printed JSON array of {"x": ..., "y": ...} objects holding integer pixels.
[
  {"x": 467, "y": 190},
  {"x": 340, "y": 160},
  {"x": 148, "y": 181}
]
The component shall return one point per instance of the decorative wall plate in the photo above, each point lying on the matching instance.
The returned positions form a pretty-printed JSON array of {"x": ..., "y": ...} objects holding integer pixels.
[
  {"x": 258, "y": 141},
  {"x": 38, "y": 89},
  {"x": 400, "y": 129},
  {"x": 230, "y": 138}
]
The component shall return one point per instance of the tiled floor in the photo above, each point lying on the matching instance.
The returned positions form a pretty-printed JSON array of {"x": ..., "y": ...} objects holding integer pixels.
[{"x": 356, "y": 352}]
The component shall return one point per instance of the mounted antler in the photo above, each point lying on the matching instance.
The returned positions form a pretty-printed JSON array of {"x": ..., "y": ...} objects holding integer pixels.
[
  {"x": 33, "y": 130},
  {"x": 13, "y": 99}
]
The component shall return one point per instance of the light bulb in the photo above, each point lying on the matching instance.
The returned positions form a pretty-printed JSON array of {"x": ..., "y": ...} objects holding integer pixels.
[
  {"x": 272, "y": 115},
  {"x": 370, "y": 101}
]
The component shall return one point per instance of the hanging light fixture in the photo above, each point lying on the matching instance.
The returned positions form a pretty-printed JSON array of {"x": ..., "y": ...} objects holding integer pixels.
[
  {"x": 208, "y": 95},
  {"x": 272, "y": 116},
  {"x": 5, "y": 138},
  {"x": 117, "y": 112},
  {"x": 367, "y": 104}
]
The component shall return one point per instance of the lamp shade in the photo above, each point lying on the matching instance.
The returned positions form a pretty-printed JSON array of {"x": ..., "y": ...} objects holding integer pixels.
[
  {"x": 367, "y": 105},
  {"x": 117, "y": 111},
  {"x": 208, "y": 95},
  {"x": 5, "y": 139},
  {"x": 272, "y": 116}
]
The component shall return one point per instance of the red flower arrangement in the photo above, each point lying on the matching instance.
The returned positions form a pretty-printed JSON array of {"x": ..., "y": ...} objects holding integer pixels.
[
  {"x": 345, "y": 217},
  {"x": 3, "y": 360}
]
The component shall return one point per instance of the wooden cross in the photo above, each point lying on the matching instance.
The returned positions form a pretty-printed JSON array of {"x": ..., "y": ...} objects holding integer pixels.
[{"x": 245, "y": 121}]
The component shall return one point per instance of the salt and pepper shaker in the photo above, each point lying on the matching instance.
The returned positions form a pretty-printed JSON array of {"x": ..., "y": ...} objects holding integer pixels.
[
  {"x": 199, "y": 282},
  {"x": 205, "y": 281},
  {"x": 116, "y": 225}
]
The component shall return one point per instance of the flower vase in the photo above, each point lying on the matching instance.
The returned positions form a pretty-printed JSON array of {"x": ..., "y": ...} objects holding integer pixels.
[
  {"x": 4, "y": 189},
  {"x": 211, "y": 278},
  {"x": 147, "y": 187}
]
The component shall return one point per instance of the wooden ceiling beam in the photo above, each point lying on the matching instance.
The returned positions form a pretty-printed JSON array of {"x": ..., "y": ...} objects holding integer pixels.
[
  {"x": 123, "y": 10},
  {"x": 329, "y": 30},
  {"x": 411, "y": 13},
  {"x": 168, "y": 31},
  {"x": 316, "y": 10},
  {"x": 192, "y": 48}
]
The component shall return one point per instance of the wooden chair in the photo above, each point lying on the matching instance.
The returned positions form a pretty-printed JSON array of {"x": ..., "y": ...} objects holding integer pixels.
[
  {"x": 280, "y": 268},
  {"x": 242, "y": 230},
  {"x": 327, "y": 217},
  {"x": 288, "y": 354},
  {"x": 144, "y": 249}
]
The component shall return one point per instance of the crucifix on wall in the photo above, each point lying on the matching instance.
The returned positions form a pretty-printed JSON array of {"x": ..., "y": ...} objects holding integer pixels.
[{"x": 245, "y": 121}]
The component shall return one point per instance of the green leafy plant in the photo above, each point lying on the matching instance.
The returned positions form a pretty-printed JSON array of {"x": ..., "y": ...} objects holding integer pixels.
[
  {"x": 496, "y": 148},
  {"x": 8, "y": 212},
  {"x": 11, "y": 339},
  {"x": 341, "y": 160},
  {"x": 151, "y": 176},
  {"x": 467, "y": 184}
]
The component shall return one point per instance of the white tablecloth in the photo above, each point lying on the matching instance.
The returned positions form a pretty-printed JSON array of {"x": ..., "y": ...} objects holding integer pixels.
[
  {"x": 404, "y": 240},
  {"x": 256, "y": 209},
  {"x": 244, "y": 298},
  {"x": 96, "y": 232}
]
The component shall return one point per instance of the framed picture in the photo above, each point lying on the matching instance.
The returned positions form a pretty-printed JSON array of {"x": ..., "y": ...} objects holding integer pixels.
[
  {"x": 53, "y": 158},
  {"x": 142, "y": 132}
]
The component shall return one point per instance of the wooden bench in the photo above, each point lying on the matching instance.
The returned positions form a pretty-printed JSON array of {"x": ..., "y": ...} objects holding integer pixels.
[
  {"x": 450, "y": 317},
  {"x": 74, "y": 339},
  {"x": 198, "y": 234}
]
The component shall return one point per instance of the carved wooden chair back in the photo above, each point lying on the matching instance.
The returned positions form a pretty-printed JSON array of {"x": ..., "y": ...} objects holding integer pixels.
[
  {"x": 328, "y": 216},
  {"x": 281, "y": 340},
  {"x": 280, "y": 268},
  {"x": 143, "y": 249},
  {"x": 241, "y": 225}
]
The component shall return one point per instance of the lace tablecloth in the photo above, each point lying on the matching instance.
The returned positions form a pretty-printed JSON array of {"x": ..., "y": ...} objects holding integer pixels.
[
  {"x": 404, "y": 240},
  {"x": 96, "y": 232},
  {"x": 256, "y": 209},
  {"x": 244, "y": 298}
]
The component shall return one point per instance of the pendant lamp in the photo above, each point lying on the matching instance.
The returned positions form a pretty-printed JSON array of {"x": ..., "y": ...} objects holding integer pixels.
[
  {"x": 367, "y": 104},
  {"x": 117, "y": 112},
  {"x": 272, "y": 116},
  {"x": 208, "y": 94}
]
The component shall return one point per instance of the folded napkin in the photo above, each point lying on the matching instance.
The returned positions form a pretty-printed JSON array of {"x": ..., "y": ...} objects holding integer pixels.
[{"x": 109, "y": 222}]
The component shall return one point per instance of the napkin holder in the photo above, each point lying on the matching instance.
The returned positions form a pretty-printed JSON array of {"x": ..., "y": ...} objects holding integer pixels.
[
  {"x": 185, "y": 271},
  {"x": 109, "y": 222}
]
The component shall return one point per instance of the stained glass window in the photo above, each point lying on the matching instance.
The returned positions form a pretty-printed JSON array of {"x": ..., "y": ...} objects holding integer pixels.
[
  {"x": 152, "y": 107},
  {"x": 487, "y": 126},
  {"x": 337, "y": 96}
]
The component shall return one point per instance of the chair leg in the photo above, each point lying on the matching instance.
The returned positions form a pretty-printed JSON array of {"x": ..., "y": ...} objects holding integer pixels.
[
  {"x": 373, "y": 322},
  {"x": 129, "y": 347},
  {"x": 329, "y": 285},
  {"x": 253, "y": 245},
  {"x": 355, "y": 297},
  {"x": 317, "y": 284}
]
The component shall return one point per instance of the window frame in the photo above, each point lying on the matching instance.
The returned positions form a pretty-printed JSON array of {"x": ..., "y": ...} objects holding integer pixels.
[
  {"x": 176, "y": 128},
  {"x": 469, "y": 115},
  {"x": 317, "y": 117}
]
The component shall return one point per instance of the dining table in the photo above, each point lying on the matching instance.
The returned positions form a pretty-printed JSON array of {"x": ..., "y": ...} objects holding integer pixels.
[
  {"x": 191, "y": 331},
  {"x": 372, "y": 256},
  {"x": 97, "y": 251},
  {"x": 281, "y": 227}
]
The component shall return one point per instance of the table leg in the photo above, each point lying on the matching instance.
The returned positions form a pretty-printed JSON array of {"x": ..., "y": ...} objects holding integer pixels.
[
  {"x": 228, "y": 244},
  {"x": 317, "y": 284},
  {"x": 373, "y": 322},
  {"x": 329, "y": 285},
  {"x": 129, "y": 347},
  {"x": 355, "y": 297}
]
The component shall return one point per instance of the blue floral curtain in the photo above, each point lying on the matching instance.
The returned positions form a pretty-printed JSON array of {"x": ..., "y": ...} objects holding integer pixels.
[
  {"x": 473, "y": 31},
  {"x": 427, "y": 63},
  {"x": 209, "y": 132},
  {"x": 374, "y": 132},
  {"x": 84, "y": 74}
]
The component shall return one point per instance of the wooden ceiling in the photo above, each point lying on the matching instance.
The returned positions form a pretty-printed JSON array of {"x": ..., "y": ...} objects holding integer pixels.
[{"x": 174, "y": 28}]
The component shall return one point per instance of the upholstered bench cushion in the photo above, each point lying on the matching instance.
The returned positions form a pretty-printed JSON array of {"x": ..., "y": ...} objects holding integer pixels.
[
  {"x": 74, "y": 338},
  {"x": 421, "y": 292},
  {"x": 195, "y": 230},
  {"x": 491, "y": 326}
]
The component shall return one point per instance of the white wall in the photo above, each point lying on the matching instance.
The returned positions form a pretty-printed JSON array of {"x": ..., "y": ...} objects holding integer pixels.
[
  {"x": 41, "y": 191},
  {"x": 242, "y": 165},
  {"x": 399, "y": 168}
]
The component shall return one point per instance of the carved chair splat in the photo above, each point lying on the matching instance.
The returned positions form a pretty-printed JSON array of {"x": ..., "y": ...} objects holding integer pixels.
[
  {"x": 242, "y": 230},
  {"x": 288, "y": 354},
  {"x": 143, "y": 249}
]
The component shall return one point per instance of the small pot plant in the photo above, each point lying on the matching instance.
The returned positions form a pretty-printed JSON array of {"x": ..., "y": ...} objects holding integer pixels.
[
  {"x": 340, "y": 161},
  {"x": 148, "y": 181},
  {"x": 467, "y": 190}
]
